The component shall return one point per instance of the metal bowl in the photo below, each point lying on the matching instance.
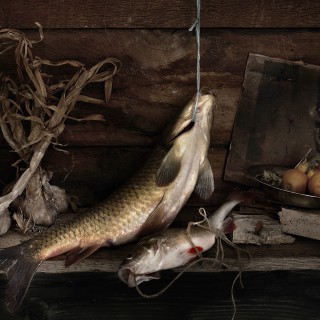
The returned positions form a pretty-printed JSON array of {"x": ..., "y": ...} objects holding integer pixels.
[{"x": 281, "y": 195}]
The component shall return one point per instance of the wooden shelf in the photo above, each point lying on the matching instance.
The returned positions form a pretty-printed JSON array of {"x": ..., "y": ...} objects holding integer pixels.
[{"x": 304, "y": 254}]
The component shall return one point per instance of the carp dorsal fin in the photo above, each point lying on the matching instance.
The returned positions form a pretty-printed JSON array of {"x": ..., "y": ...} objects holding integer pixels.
[
  {"x": 169, "y": 168},
  {"x": 205, "y": 183},
  {"x": 80, "y": 253}
]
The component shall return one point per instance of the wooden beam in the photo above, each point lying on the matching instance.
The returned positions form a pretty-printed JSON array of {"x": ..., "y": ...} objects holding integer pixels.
[{"x": 159, "y": 14}]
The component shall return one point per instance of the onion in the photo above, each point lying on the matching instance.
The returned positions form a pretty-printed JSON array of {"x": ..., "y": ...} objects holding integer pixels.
[
  {"x": 294, "y": 180},
  {"x": 314, "y": 184},
  {"x": 311, "y": 172}
]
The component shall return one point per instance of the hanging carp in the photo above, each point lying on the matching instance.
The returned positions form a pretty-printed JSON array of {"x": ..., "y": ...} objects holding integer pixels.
[{"x": 147, "y": 203}]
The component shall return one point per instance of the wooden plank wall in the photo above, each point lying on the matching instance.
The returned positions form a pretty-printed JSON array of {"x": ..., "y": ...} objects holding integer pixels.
[
  {"x": 281, "y": 295},
  {"x": 158, "y": 74}
]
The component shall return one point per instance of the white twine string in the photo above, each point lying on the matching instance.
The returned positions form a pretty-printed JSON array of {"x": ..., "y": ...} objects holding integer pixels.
[{"x": 196, "y": 25}]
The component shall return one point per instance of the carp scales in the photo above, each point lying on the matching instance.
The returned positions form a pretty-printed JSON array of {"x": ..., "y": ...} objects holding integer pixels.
[
  {"x": 147, "y": 203},
  {"x": 176, "y": 247}
]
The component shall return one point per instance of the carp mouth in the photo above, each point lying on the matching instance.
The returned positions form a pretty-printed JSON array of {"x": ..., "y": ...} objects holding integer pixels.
[
  {"x": 187, "y": 128},
  {"x": 187, "y": 119}
]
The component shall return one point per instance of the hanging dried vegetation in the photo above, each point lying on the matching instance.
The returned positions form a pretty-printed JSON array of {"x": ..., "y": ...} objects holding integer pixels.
[{"x": 33, "y": 112}]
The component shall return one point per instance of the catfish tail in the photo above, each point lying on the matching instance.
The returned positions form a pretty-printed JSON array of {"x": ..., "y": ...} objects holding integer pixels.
[
  {"x": 19, "y": 266},
  {"x": 234, "y": 198}
]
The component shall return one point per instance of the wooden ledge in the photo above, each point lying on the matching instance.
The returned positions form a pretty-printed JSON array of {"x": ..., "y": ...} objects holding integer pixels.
[{"x": 304, "y": 254}]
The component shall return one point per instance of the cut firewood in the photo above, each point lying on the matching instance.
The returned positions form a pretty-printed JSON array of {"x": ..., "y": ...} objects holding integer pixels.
[
  {"x": 304, "y": 223},
  {"x": 258, "y": 229}
]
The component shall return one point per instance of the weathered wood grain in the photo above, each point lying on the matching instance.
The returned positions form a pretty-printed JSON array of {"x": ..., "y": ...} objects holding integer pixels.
[
  {"x": 300, "y": 222},
  {"x": 90, "y": 174},
  {"x": 157, "y": 78},
  {"x": 277, "y": 117},
  {"x": 100, "y": 296},
  {"x": 109, "y": 263},
  {"x": 159, "y": 14},
  {"x": 302, "y": 255},
  {"x": 258, "y": 229},
  {"x": 158, "y": 75}
]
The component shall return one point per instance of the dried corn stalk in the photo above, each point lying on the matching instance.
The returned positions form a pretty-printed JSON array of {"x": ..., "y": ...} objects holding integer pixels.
[{"x": 33, "y": 113}]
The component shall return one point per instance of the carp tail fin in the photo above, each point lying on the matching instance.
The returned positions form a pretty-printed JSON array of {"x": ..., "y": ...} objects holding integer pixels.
[{"x": 19, "y": 267}]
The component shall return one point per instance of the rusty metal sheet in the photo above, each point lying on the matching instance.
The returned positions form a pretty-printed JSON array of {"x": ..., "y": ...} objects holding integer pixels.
[{"x": 278, "y": 116}]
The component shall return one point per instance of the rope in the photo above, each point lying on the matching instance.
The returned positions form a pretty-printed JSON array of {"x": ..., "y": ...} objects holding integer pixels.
[{"x": 196, "y": 25}]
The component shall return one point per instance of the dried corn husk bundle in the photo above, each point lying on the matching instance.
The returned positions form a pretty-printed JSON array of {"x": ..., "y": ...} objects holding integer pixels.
[{"x": 32, "y": 116}]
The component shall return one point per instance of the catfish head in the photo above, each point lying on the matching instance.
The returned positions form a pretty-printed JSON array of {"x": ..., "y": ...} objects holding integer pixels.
[{"x": 143, "y": 264}]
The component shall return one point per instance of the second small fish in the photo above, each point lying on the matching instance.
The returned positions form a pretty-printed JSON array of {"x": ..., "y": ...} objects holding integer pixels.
[{"x": 172, "y": 248}]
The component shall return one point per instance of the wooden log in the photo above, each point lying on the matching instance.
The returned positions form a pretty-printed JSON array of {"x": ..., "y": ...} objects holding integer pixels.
[
  {"x": 258, "y": 229},
  {"x": 159, "y": 14},
  {"x": 299, "y": 222}
]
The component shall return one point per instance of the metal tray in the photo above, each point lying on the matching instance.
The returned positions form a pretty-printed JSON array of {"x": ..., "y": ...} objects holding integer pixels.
[{"x": 281, "y": 195}]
